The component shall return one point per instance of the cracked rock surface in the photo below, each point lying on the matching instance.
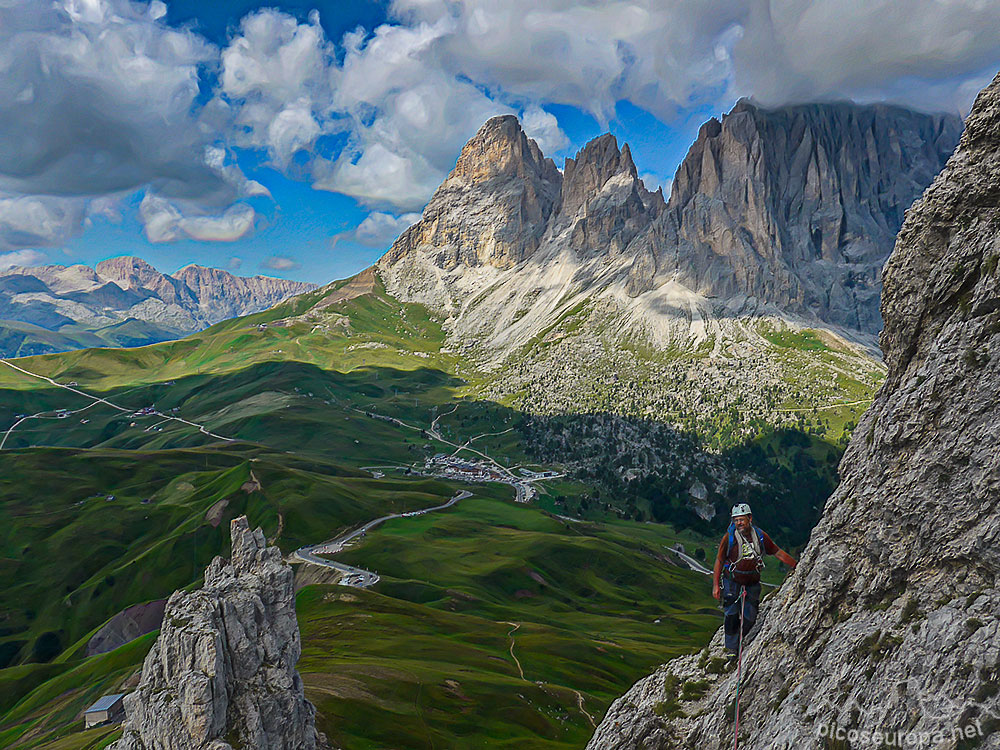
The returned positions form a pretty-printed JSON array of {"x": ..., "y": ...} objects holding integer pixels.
[
  {"x": 222, "y": 672},
  {"x": 891, "y": 622}
]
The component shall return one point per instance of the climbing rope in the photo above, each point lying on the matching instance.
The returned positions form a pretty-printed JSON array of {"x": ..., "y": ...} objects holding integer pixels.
[{"x": 739, "y": 667}]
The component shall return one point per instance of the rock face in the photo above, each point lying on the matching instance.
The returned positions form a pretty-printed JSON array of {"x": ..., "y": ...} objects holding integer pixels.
[
  {"x": 794, "y": 208},
  {"x": 494, "y": 206},
  {"x": 798, "y": 206},
  {"x": 891, "y": 623},
  {"x": 123, "y": 289},
  {"x": 222, "y": 673},
  {"x": 507, "y": 218}
]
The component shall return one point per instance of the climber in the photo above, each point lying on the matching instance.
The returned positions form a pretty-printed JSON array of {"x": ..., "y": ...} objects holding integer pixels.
[{"x": 737, "y": 567}]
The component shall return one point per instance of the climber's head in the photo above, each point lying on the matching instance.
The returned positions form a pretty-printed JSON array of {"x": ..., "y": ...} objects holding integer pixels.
[{"x": 742, "y": 517}]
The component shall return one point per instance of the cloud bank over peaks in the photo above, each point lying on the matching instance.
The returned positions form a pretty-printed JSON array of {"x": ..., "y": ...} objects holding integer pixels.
[
  {"x": 102, "y": 100},
  {"x": 927, "y": 54},
  {"x": 99, "y": 98}
]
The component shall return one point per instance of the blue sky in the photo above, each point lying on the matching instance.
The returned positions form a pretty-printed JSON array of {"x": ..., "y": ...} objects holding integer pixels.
[{"x": 298, "y": 138}]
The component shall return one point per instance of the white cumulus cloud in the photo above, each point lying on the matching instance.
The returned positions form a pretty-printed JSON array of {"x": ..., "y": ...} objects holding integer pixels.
[
  {"x": 280, "y": 263},
  {"x": 20, "y": 258},
  {"x": 164, "y": 221},
  {"x": 102, "y": 98},
  {"x": 277, "y": 77},
  {"x": 98, "y": 99},
  {"x": 37, "y": 221},
  {"x": 931, "y": 54},
  {"x": 378, "y": 229}
]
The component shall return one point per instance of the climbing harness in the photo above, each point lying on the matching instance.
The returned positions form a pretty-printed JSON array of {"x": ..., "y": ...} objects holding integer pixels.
[
  {"x": 752, "y": 549},
  {"x": 739, "y": 668}
]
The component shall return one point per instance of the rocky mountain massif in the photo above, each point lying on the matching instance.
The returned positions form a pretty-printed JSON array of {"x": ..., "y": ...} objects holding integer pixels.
[
  {"x": 751, "y": 292},
  {"x": 222, "y": 672},
  {"x": 890, "y": 623},
  {"x": 123, "y": 302},
  {"x": 795, "y": 207}
]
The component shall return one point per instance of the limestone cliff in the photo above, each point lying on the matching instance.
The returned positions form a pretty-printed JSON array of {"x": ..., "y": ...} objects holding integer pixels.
[
  {"x": 798, "y": 206},
  {"x": 494, "y": 206},
  {"x": 222, "y": 673},
  {"x": 794, "y": 209},
  {"x": 891, "y": 623},
  {"x": 507, "y": 217}
]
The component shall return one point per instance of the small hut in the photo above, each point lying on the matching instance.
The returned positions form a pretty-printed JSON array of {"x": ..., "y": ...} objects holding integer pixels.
[{"x": 107, "y": 709}]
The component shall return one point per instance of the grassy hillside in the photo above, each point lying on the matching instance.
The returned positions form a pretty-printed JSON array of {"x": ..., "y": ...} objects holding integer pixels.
[
  {"x": 424, "y": 659},
  {"x": 282, "y": 416},
  {"x": 20, "y": 339},
  {"x": 586, "y": 607},
  {"x": 72, "y": 557}
]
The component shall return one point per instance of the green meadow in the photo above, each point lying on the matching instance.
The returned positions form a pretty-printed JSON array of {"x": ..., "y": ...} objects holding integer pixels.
[{"x": 494, "y": 624}]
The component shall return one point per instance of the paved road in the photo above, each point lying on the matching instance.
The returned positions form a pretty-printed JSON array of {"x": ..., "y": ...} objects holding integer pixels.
[
  {"x": 358, "y": 577},
  {"x": 95, "y": 400},
  {"x": 692, "y": 563}
]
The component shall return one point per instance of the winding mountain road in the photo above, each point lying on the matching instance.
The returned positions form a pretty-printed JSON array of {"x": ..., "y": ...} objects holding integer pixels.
[
  {"x": 358, "y": 577},
  {"x": 95, "y": 400}
]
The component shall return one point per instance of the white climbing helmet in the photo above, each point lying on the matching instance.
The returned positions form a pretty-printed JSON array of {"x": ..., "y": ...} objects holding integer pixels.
[{"x": 741, "y": 509}]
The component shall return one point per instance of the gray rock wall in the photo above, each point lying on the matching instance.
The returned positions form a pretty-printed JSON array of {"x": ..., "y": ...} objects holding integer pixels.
[
  {"x": 222, "y": 672},
  {"x": 798, "y": 206},
  {"x": 891, "y": 623}
]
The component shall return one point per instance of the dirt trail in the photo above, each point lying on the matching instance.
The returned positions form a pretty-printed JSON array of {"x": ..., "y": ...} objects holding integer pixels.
[{"x": 510, "y": 635}]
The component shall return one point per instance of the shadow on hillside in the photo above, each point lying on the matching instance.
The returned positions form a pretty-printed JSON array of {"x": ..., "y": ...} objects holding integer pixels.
[{"x": 319, "y": 424}]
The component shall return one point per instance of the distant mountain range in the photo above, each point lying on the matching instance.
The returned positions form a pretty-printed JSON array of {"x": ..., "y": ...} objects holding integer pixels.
[
  {"x": 792, "y": 210},
  {"x": 123, "y": 302}
]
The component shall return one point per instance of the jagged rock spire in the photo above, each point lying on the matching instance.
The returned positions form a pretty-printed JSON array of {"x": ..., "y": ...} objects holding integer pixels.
[
  {"x": 222, "y": 673},
  {"x": 594, "y": 165},
  {"x": 501, "y": 149},
  {"x": 494, "y": 207}
]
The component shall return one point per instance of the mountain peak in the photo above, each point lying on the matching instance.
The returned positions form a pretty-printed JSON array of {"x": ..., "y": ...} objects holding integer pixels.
[
  {"x": 130, "y": 272},
  {"x": 125, "y": 288},
  {"x": 501, "y": 149},
  {"x": 594, "y": 165},
  {"x": 493, "y": 208},
  {"x": 804, "y": 202},
  {"x": 124, "y": 265}
]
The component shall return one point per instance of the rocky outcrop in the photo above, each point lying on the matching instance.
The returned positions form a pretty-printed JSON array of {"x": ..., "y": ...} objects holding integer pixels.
[
  {"x": 123, "y": 289},
  {"x": 788, "y": 212},
  {"x": 891, "y": 623},
  {"x": 506, "y": 208},
  {"x": 798, "y": 206},
  {"x": 603, "y": 201},
  {"x": 493, "y": 208},
  {"x": 222, "y": 672}
]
